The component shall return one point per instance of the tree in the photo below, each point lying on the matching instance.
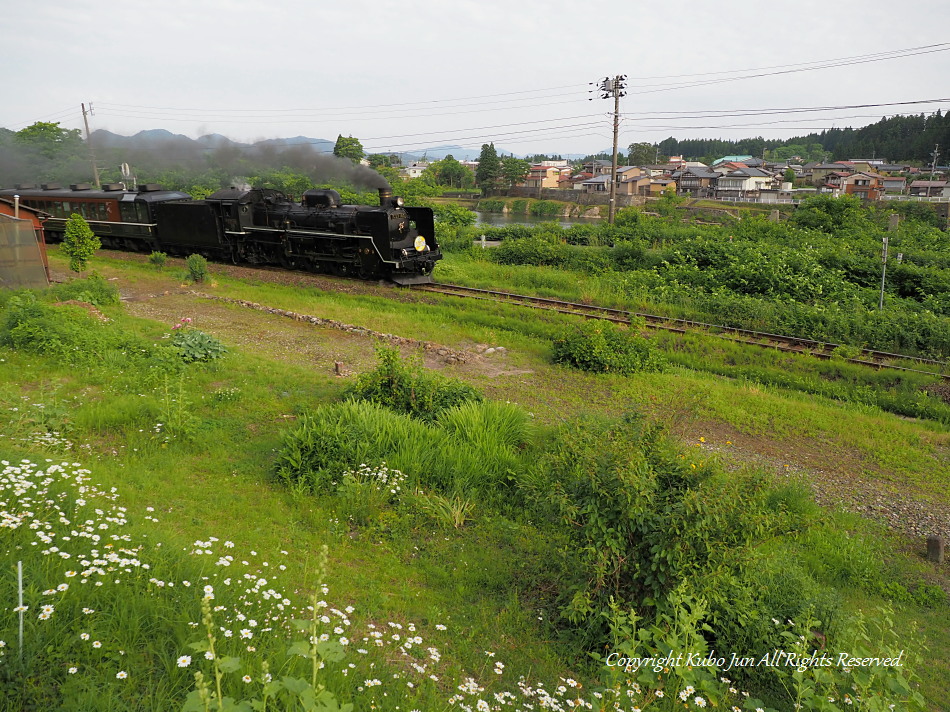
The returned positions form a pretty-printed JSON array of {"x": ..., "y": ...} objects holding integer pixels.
[
  {"x": 514, "y": 170},
  {"x": 830, "y": 215},
  {"x": 488, "y": 172},
  {"x": 348, "y": 147},
  {"x": 789, "y": 175},
  {"x": 79, "y": 243},
  {"x": 383, "y": 159},
  {"x": 49, "y": 139},
  {"x": 449, "y": 172},
  {"x": 641, "y": 154}
]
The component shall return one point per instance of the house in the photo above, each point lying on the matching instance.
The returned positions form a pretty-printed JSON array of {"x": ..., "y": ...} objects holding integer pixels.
[
  {"x": 894, "y": 185},
  {"x": 659, "y": 170},
  {"x": 599, "y": 167},
  {"x": 696, "y": 182},
  {"x": 743, "y": 183},
  {"x": 728, "y": 167},
  {"x": 865, "y": 185},
  {"x": 542, "y": 176},
  {"x": 23, "y": 261},
  {"x": 597, "y": 184},
  {"x": 659, "y": 186},
  {"x": 573, "y": 182},
  {"x": 834, "y": 180},
  {"x": 731, "y": 159},
  {"x": 628, "y": 172},
  {"x": 633, "y": 180},
  {"x": 414, "y": 170},
  {"x": 822, "y": 170},
  {"x": 928, "y": 188},
  {"x": 867, "y": 165}
]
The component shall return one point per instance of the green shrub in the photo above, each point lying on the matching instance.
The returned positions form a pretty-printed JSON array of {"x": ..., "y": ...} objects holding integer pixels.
[
  {"x": 442, "y": 456},
  {"x": 602, "y": 347},
  {"x": 532, "y": 250},
  {"x": 194, "y": 345},
  {"x": 79, "y": 242},
  {"x": 69, "y": 334},
  {"x": 491, "y": 205},
  {"x": 94, "y": 290},
  {"x": 158, "y": 259},
  {"x": 455, "y": 238},
  {"x": 546, "y": 208},
  {"x": 197, "y": 267},
  {"x": 407, "y": 387},
  {"x": 508, "y": 232},
  {"x": 454, "y": 214}
]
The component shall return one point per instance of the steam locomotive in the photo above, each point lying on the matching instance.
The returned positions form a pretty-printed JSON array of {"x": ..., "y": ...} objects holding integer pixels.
[{"x": 257, "y": 226}]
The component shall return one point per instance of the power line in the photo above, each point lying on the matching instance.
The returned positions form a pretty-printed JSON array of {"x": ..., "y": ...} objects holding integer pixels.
[
  {"x": 766, "y": 71},
  {"x": 725, "y": 113}
]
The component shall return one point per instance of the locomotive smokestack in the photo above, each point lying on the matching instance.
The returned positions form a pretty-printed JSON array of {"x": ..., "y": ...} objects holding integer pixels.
[{"x": 385, "y": 195}]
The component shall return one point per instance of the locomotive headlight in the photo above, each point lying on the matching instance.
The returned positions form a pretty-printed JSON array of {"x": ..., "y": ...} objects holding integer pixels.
[
  {"x": 399, "y": 202},
  {"x": 420, "y": 244}
]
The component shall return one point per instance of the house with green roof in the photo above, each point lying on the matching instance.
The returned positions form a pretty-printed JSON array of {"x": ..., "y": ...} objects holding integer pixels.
[{"x": 733, "y": 159}]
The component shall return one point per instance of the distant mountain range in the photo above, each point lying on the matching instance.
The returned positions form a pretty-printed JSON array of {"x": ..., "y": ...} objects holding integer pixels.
[{"x": 156, "y": 138}]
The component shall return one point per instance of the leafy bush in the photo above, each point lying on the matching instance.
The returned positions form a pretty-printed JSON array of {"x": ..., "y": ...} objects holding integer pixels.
[
  {"x": 508, "y": 232},
  {"x": 454, "y": 238},
  {"x": 445, "y": 455},
  {"x": 491, "y": 205},
  {"x": 406, "y": 387},
  {"x": 532, "y": 250},
  {"x": 454, "y": 214},
  {"x": 195, "y": 345},
  {"x": 158, "y": 259},
  {"x": 546, "y": 208},
  {"x": 79, "y": 242},
  {"x": 602, "y": 347},
  {"x": 93, "y": 289},
  {"x": 70, "y": 334},
  {"x": 197, "y": 267}
]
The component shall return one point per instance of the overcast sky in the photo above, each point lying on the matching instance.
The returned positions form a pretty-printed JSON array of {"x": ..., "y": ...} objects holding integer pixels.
[{"x": 417, "y": 73}]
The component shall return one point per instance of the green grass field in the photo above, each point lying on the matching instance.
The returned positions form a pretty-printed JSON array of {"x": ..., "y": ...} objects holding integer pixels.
[{"x": 441, "y": 595}]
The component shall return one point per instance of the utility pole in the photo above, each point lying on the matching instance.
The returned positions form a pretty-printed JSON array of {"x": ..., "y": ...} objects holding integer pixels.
[
  {"x": 92, "y": 154},
  {"x": 933, "y": 165},
  {"x": 880, "y": 304},
  {"x": 613, "y": 88}
]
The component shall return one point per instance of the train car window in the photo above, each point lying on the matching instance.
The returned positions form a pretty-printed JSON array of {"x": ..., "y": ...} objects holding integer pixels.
[{"x": 127, "y": 212}]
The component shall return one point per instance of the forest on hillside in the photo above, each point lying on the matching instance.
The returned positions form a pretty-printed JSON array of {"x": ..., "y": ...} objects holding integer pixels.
[{"x": 898, "y": 139}]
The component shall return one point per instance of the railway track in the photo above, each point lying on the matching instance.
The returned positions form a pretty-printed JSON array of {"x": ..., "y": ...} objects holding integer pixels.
[{"x": 792, "y": 344}]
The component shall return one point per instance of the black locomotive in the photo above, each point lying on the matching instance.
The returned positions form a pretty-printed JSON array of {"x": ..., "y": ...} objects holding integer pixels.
[{"x": 258, "y": 226}]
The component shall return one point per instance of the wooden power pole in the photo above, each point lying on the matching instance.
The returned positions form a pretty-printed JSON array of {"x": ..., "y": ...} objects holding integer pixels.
[
  {"x": 92, "y": 154},
  {"x": 613, "y": 88}
]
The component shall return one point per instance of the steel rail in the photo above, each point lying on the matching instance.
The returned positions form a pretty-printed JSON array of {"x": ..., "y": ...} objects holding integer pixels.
[{"x": 791, "y": 344}]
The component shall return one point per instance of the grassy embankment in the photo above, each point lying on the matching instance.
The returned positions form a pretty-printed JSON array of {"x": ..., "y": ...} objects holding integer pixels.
[{"x": 214, "y": 453}]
